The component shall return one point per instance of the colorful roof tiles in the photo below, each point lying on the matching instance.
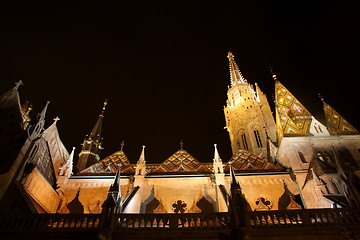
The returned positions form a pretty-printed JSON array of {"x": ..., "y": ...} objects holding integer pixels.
[
  {"x": 181, "y": 161},
  {"x": 293, "y": 119},
  {"x": 243, "y": 160},
  {"x": 110, "y": 164},
  {"x": 336, "y": 124}
]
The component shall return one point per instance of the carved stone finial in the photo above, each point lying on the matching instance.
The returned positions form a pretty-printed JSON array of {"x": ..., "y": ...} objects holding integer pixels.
[
  {"x": 18, "y": 84},
  {"x": 122, "y": 145},
  {"x": 181, "y": 144}
]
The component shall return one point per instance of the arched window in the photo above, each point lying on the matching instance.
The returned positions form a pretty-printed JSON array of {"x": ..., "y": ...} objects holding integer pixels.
[
  {"x": 244, "y": 142},
  {"x": 302, "y": 158},
  {"x": 257, "y": 137}
]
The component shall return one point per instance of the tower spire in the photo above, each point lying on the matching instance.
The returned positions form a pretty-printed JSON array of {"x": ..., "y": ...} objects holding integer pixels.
[
  {"x": 235, "y": 74},
  {"x": 92, "y": 144},
  {"x": 217, "y": 164},
  {"x": 140, "y": 166}
]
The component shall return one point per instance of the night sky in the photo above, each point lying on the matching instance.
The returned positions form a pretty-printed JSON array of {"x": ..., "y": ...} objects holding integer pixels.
[{"x": 163, "y": 66}]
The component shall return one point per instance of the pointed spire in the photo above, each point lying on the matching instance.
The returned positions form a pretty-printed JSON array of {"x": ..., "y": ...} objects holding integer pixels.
[
  {"x": 96, "y": 131},
  {"x": 336, "y": 124},
  {"x": 39, "y": 127},
  {"x": 115, "y": 187},
  {"x": 67, "y": 168},
  {"x": 217, "y": 163},
  {"x": 89, "y": 154},
  {"x": 234, "y": 184},
  {"x": 235, "y": 74},
  {"x": 216, "y": 154},
  {"x": 140, "y": 166}
]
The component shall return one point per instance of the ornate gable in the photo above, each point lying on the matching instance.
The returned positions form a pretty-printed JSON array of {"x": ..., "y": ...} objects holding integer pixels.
[
  {"x": 110, "y": 164},
  {"x": 243, "y": 160},
  {"x": 181, "y": 161},
  {"x": 336, "y": 124}
]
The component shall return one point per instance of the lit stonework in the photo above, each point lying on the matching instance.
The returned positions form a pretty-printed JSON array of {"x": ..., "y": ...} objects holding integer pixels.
[{"x": 248, "y": 115}]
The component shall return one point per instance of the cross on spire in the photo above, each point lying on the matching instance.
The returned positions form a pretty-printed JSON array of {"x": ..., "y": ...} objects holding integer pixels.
[
  {"x": 18, "y": 84},
  {"x": 56, "y": 119}
]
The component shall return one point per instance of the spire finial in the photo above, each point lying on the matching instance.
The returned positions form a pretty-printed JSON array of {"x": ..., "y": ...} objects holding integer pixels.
[
  {"x": 122, "y": 145},
  {"x": 230, "y": 56},
  {"x": 56, "y": 119},
  {"x": 235, "y": 74},
  {"x": 104, "y": 106},
  {"x": 273, "y": 74},
  {"x": 321, "y": 97},
  {"x": 181, "y": 144}
]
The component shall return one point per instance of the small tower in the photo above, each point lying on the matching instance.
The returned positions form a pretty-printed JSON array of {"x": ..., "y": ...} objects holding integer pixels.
[
  {"x": 140, "y": 169},
  {"x": 92, "y": 145},
  {"x": 247, "y": 114}
]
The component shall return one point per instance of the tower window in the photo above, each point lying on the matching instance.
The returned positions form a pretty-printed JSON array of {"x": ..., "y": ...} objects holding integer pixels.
[
  {"x": 258, "y": 139},
  {"x": 302, "y": 158},
  {"x": 243, "y": 138}
]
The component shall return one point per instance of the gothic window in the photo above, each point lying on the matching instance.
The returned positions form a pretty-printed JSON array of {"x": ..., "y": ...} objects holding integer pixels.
[
  {"x": 244, "y": 142},
  {"x": 258, "y": 139},
  {"x": 42, "y": 160},
  {"x": 302, "y": 158}
]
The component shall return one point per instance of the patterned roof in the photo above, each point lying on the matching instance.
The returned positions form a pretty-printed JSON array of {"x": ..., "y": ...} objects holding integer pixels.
[
  {"x": 336, "y": 124},
  {"x": 110, "y": 164},
  {"x": 243, "y": 160},
  {"x": 180, "y": 161},
  {"x": 292, "y": 118}
]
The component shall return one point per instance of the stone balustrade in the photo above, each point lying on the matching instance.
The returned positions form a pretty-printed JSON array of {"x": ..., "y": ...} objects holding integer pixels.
[
  {"x": 215, "y": 221},
  {"x": 50, "y": 222},
  {"x": 173, "y": 221},
  {"x": 304, "y": 217}
]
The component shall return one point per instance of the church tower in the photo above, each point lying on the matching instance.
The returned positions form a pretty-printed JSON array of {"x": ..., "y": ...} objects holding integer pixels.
[
  {"x": 92, "y": 145},
  {"x": 247, "y": 114}
]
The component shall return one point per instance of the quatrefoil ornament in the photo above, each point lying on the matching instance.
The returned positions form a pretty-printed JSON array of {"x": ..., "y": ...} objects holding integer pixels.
[{"x": 179, "y": 206}]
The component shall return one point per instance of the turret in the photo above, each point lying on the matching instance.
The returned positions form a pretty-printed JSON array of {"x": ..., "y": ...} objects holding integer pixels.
[
  {"x": 140, "y": 169},
  {"x": 92, "y": 144}
]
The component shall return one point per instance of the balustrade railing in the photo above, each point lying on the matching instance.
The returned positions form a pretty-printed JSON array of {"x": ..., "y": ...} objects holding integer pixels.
[
  {"x": 133, "y": 222},
  {"x": 173, "y": 221},
  {"x": 50, "y": 222},
  {"x": 304, "y": 217}
]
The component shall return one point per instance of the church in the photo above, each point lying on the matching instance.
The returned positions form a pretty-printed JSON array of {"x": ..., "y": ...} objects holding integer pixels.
[{"x": 287, "y": 169}]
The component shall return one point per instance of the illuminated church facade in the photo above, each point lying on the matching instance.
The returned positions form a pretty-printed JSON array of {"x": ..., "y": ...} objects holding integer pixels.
[{"x": 290, "y": 162}]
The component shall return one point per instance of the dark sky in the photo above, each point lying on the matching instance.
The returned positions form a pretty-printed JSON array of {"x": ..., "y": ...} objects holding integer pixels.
[{"x": 163, "y": 66}]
